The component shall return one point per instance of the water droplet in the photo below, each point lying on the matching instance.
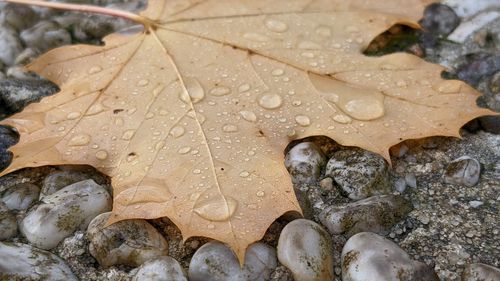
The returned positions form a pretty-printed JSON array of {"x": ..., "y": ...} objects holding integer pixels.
[
  {"x": 260, "y": 193},
  {"x": 309, "y": 45},
  {"x": 324, "y": 31},
  {"x": 119, "y": 121},
  {"x": 95, "y": 109},
  {"x": 401, "y": 83},
  {"x": 142, "y": 83},
  {"x": 184, "y": 150},
  {"x": 270, "y": 101},
  {"x": 243, "y": 88},
  {"x": 244, "y": 174},
  {"x": 278, "y": 72},
  {"x": 194, "y": 89},
  {"x": 196, "y": 171},
  {"x": 220, "y": 91},
  {"x": 177, "y": 131},
  {"x": 218, "y": 208},
  {"x": 127, "y": 135},
  {"x": 276, "y": 25},
  {"x": 73, "y": 115},
  {"x": 79, "y": 140},
  {"x": 448, "y": 86},
  {"x": 101, "y": 155},
  {"x": 343, "y": 119},
  {"x": 229, "y": 128},
  {"x": 94, "y": 69},
  {"x": 358, "y": 103},
  {"x": 257, "y": 37},
  {"x": 303, "y": 120},
  {"x": 308, "y": 55}
]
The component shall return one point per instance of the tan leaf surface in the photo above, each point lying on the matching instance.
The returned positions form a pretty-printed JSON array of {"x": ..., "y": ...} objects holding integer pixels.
[{"x": 190, "y": 119}]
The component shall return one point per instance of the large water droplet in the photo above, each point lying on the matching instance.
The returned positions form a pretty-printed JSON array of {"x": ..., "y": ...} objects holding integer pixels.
[
  {"x": 303, "y": 120},
  {"x": 260, "y": 193},
  {"x": 270, "y": 101},
  {"x": 79, "y": 140},
  {"x": 94, "y": 69},
  {"x": 248, "y": 116},
  {"x": 358, "y": 103},
  {"x": 177, "y": 131},
  {"x": 127, "y": 135},
  {"x": 276, "y": 25},
  {"x": 229, "y": 128},
  {"x": 101, "y": 155},
  {"x": 257, "y": 37},
  {"x": 448, "y": 86},
  {"x": 218, "y": 208},
  {"x": 220, "y": 91},
  {"x": 142, "y": 83},
  {"x": 194, "y": 89}
]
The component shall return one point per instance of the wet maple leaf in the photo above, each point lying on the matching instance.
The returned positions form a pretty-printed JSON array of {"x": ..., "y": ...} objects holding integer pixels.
[{"x": 190, "y": 117}]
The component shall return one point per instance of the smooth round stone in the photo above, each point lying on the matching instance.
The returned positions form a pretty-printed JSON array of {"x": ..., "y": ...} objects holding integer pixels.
[
  {"x": 304, "y": 162},
  {"x": 24, "y": 262},
  {"x": 305, "y": 248},
  {"x": 10, "y": 45},
  {"x": 63, "y": 212},
  {"x": 369, "y": 257},
  {"x": 359, "y": 173},
  {"x": 464, "y": 170},
  {"x": 215, "y": 261},
  {"x": 439, "y": 19},
  {"x": 480, "y": 272},
  {"x": 8, "y": 223},
  {"x": 45, "y": 35},
  {"x": 18, "y": 16},
  {"x": 160, "y": 269},
  {"x": 374, "y": 214},
  {"x": 20, "y": 197},
  {"x": 60, "y": 179},
  {"x": 129, "y": 242}
]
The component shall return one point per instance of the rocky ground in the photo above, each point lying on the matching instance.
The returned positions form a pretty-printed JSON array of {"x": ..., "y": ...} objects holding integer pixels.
[{"x": 432, "y": 215}]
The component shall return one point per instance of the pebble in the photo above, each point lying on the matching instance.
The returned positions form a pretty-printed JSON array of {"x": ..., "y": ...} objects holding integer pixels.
[
  {"x": 24, "y": 262},
  {"x": 59, "y": 179},
  {"x": 18, "y": 16},
  {"x": 480, "y": 272},
  {"x": 304, "y": 162},
  {"x": 10, "y": 45},
  {"x": 15, "y": 94},
  {"x": 411, "y": 180},
  {"x": 45, "y": 35},
  {"x": 476, "y": 66},
  {"x": 475, "y": 204},
  {"x": 490, "y": 124},
  {"x": 439, "y": 19},
  {"x": 472, "y": 25},
  {"x": 160, "y": 269},
  {"x": 8, "y": 223},
  {"x": 374, "y": 214},
  {"x": 305, "y": 248},
  {"x": 215, "y": 261},
  {"x": 8, "y": 137},
  {"x": 368, "y": 256},
  {"x": 129, "y": 242},
  {"x": 63, "y": 212},
  {"x": 359, "y": 173},
  {"x": 464, "y": 170},
  {"x": 400, "y": 185},
  {"x": 20, "y": 197}
]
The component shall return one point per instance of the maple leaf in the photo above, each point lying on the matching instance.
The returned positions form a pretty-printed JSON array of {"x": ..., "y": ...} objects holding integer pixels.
[{"x": 190, "y": 117}]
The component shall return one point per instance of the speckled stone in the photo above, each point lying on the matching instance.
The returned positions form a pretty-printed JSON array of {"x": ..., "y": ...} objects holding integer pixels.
[
  {"x": 480, "y": 272},
  {"x": 129, "y": 242},
  {"x": 304, "y": 162},
  {"x": 19, "y": 197},
  {"x": 215, "y": 261},
  {"x": 306, "y": 249},
  {"x": 369, "y": 257}
]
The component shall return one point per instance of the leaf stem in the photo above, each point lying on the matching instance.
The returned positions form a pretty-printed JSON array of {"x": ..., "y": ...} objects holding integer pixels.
[{"x": 87, "y": 9}]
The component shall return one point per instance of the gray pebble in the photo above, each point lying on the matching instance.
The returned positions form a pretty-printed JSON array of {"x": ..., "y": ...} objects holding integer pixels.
[
  {"x": 304, "y": 162},
  {"x": 20, "y": 197},
  {"x": 374, "y": 214},
  {"x": 18, "y": 16},
  {"x": 215, "y": 261},
  {"x": 411, "y": 180},
  {"x": 160, "y": 269},
  {"x": 129, "y": 242},
  {"x": 369, "y": 257},
  {"x": 439, "y": 19},
  {"x": 60, "y": 179},
  {"x": 400, "y": 185},
  {"x": 8, "y": 223},
  {"x": 480, "y": 272},
  {"x": 305, "y": 248},
  {"x": 45, "y": 35},
  {"x": 64, "y": 212},
  {"x": 24, "y": 262},
  {"x": 464, "y": 170},
  {"x": 10, "y": 45},
  {"x": 359, "y": 173}
]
